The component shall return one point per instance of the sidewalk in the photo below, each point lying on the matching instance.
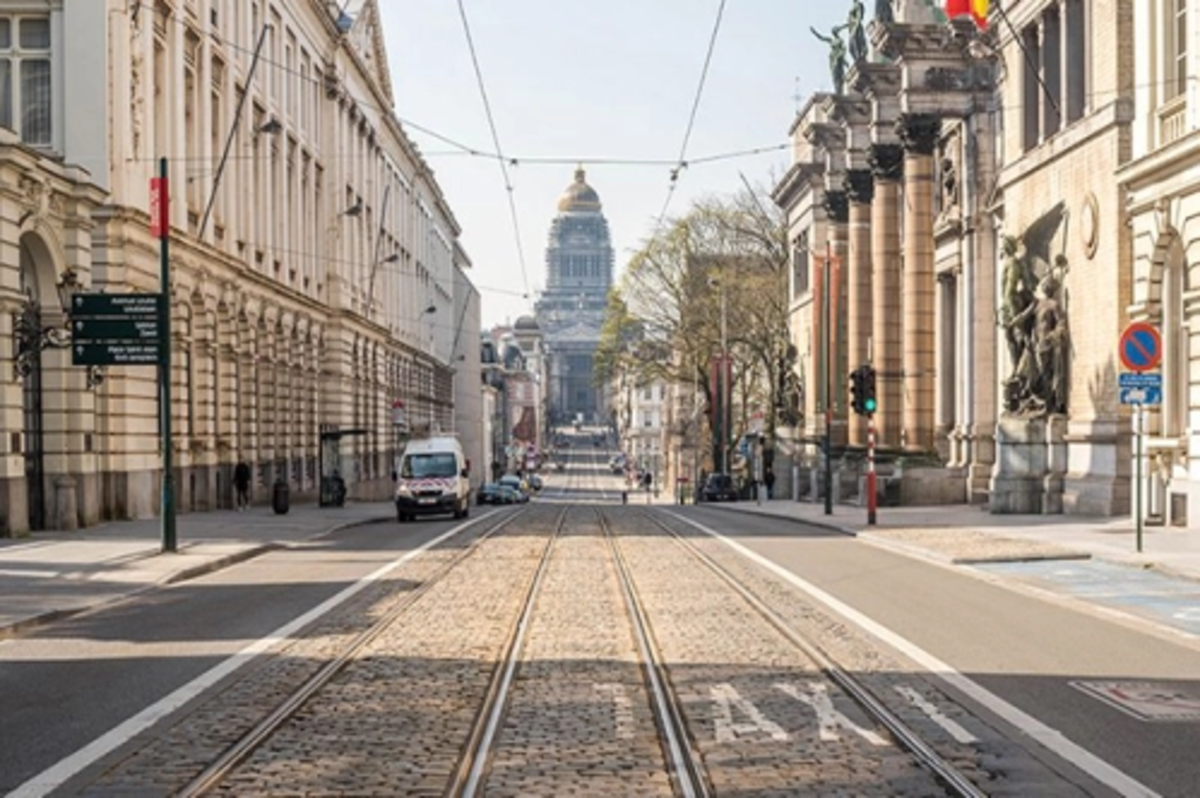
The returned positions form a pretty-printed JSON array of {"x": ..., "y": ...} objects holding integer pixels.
[
  {"x": 966, "y": 534},
  {"x": 52, "y": 575}
]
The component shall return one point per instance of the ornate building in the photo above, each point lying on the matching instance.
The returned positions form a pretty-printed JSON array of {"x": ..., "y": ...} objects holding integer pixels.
[
  {"x": 928, "y": 207},
  {"x": 570, "y": 312},
  {"x": 317, "y": 287}
]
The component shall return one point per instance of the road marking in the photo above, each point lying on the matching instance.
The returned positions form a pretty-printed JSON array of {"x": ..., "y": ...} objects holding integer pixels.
[
  {"x": 726, "y": 697},
  {"x": 1050, "y": 738},
  {"x": 1146, "y": 701},
  {"x": 622, "y": 708},
  {"x": 952, "y": 727},
  {"x": 57, "y": 774},
  {"x": 828, "y": 717}
]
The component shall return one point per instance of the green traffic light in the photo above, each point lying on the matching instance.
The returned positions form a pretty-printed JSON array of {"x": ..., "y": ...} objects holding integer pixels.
[{"x": 869, "y": 405}]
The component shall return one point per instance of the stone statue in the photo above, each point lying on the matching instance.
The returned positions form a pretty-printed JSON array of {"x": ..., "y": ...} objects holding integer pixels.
[
  {"x": 1035, "y": 330},
  {"x": 858, "y": 39},
  {"x": 837, "y": 56},
  {"x": 884, "y": 13}
]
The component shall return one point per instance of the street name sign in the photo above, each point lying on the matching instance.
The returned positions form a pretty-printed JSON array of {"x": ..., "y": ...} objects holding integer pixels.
[{"x": 138, "y": 329}]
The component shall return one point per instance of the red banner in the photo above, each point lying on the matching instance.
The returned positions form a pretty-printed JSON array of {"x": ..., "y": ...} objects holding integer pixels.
[{"x": 160, "y": 223}]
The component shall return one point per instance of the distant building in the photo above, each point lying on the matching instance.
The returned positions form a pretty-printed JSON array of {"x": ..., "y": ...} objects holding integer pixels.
[{"x": 579, "y": 263}]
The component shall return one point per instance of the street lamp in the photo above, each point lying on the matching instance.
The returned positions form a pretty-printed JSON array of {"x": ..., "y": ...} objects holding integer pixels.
[{"x": 31, "y": 337}]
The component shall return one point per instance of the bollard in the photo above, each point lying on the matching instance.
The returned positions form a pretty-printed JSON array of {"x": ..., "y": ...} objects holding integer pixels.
[{"x": 624, "y": 497}]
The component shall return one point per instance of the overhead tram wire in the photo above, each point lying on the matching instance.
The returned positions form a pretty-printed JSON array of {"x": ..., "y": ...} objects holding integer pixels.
[
  {"x": 487, "y": 107},
  {"x": 681, "y": 163}
]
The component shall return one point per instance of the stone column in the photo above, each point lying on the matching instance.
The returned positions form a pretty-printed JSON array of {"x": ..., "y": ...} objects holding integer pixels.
[
  {"x": 860, "y": 189},
  {"x": 837, "y": 206},
  {"x": 919, "y": 134},
  {"x": 887, "y": 162}
]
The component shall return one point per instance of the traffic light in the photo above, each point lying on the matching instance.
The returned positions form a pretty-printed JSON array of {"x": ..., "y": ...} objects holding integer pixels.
[
  {"x": 868, "y": 390},
  {"x": 862, "y": 391},
  {"x": 857, "y": 390}
]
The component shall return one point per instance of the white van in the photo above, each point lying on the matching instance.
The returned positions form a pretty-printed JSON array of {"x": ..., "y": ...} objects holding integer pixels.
[{"x": 432, "y": 478}]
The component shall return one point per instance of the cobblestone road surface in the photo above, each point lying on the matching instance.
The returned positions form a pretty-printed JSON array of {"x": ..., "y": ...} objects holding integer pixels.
[{"x": 765, "y": 719}]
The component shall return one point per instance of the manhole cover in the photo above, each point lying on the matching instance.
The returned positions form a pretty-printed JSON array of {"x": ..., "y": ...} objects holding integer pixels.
[{"x": 1149, "y": 701}]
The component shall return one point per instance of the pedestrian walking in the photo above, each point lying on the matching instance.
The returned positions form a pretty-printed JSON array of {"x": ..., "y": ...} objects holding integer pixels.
[{"x": 241, "y": 481}]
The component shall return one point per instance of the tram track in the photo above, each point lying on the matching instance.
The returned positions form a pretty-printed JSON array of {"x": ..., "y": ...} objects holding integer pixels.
[
  {"x": 951, "y": 777},
  {"x": 256, "y": 737}
]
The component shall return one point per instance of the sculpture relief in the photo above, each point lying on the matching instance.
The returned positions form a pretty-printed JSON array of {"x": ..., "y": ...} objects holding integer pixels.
[
  {"x": 1033, "y": 316},
  {"x": 884, "y": 13}
]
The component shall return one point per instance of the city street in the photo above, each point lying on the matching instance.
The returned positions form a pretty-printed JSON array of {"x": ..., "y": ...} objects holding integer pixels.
[{"x": 579, "y": 643}]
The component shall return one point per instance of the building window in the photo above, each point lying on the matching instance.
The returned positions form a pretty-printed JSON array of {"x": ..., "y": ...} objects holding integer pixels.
[
  {"x": 1175, "y": 69},
  {"x": 800, "y": 265},
  {"x": 25, "y": 88},
  {"x": 1055, "y": 71},
  {"x": 1031, "y": 88}
]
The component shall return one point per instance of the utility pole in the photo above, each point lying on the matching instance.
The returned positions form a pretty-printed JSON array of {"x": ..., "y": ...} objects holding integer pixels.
[
  {"x": 826, "y": 348},
  {"x": 723, "y": 384}
]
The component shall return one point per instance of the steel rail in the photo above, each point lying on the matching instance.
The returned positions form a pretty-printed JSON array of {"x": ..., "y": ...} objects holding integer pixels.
[
  {"x": 687, "y": 771},
  {"x": 240, "y": 750},
  {"x": 943, "y": 770},
  {"x": 472, "y": 767}
]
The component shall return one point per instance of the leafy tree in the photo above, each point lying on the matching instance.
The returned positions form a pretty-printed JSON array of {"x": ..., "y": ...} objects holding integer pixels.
[{"x": 665, "y": 316}]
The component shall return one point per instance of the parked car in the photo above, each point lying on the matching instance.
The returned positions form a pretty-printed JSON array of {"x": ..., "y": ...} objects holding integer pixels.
[
  {"x": 513, "y": 495},
  {"x": 490, "y": 493},
  {"x": 720, "y": 488},
  {"x": 516, "y": 483}
]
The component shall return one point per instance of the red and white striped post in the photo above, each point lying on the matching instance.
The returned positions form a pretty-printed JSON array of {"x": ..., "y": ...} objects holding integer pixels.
[{"x": 871, "y": 495}]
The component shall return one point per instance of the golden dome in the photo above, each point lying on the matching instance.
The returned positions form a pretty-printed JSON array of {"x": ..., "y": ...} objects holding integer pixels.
[{"x": 579, "y": 196}]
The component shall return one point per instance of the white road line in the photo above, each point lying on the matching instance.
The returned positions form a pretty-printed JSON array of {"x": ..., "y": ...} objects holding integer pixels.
[
  {"x": 952, "y": 727},
  {"x": 56, "y": 775},
  {"x": 1050, "y": 738}
]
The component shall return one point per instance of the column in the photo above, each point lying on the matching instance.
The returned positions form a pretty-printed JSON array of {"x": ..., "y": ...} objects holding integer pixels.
[
  {"x": 837, "y": 210},
  {"x": 919, "y": 134},
  {"x": 860, "y": 189},
  {"x": 887, "y": 165}
]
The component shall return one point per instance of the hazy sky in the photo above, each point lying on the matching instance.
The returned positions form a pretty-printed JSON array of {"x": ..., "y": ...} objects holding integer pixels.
[{"x": 593, "y": 81}]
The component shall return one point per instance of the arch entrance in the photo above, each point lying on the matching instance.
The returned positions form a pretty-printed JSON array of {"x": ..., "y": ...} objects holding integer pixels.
[{"x": 34, "y": 330}]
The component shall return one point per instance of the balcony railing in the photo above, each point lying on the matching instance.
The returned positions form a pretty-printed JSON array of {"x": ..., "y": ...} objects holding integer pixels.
[{"x": 1172, "y": 120}]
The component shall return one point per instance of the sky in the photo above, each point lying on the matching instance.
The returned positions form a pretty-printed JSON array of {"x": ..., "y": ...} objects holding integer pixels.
[{"x": 577, "y": 82}]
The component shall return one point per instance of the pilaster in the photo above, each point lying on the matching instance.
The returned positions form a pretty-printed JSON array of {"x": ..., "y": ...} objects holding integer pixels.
[
  {"x": 860, "y": 188},
  {"x": 887, "y": 166}
]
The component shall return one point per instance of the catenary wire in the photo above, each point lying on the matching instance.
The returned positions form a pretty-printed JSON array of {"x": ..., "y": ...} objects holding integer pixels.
[
  {"x": 487, "y": 107},
  {"x": 681, "y": 162}
]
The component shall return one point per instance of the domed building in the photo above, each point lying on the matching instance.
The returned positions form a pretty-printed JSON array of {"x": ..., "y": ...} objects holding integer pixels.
[{"x": 570, "y": 312}]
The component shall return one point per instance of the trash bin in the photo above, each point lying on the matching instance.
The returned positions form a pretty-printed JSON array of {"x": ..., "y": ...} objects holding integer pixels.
[{"x": 279, "y": 498}]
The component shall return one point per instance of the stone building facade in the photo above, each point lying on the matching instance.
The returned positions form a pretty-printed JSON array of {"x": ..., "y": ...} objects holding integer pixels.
[
  {"x": 316, "y": 278},
  {"x": 570, "y": 311},
  {"x": 942, "y": 145},
  {"x": 1162, "y": 181}
]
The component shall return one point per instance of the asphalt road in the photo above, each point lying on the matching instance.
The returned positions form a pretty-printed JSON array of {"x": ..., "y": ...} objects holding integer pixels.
[
  {"x": 1049, "y": 658},
  {"x": 73, "y": 682}
]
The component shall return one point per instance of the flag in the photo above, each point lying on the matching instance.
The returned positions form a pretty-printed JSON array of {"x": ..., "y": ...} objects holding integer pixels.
[{"x": 977, "y": 9}]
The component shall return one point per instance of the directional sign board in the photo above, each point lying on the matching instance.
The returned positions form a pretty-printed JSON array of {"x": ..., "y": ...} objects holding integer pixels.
[
  {"x": 114, "y": 353},
  {"x": 1140, "y": 389},
  {"x": 116, "y": 329},
  {"x": 120, "y": 305},
  {"x": 1140, "y": 348}
]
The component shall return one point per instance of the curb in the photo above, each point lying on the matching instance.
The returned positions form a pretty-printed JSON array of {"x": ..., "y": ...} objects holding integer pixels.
[{"x": 19, "y": 628}]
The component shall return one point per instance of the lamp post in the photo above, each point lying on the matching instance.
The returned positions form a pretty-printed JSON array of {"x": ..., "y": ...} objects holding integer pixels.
[{"x": 31, "y": 337}]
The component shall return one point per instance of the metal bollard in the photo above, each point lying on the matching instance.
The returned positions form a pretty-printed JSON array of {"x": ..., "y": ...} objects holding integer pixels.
[{"x": 624, "y": 497}]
